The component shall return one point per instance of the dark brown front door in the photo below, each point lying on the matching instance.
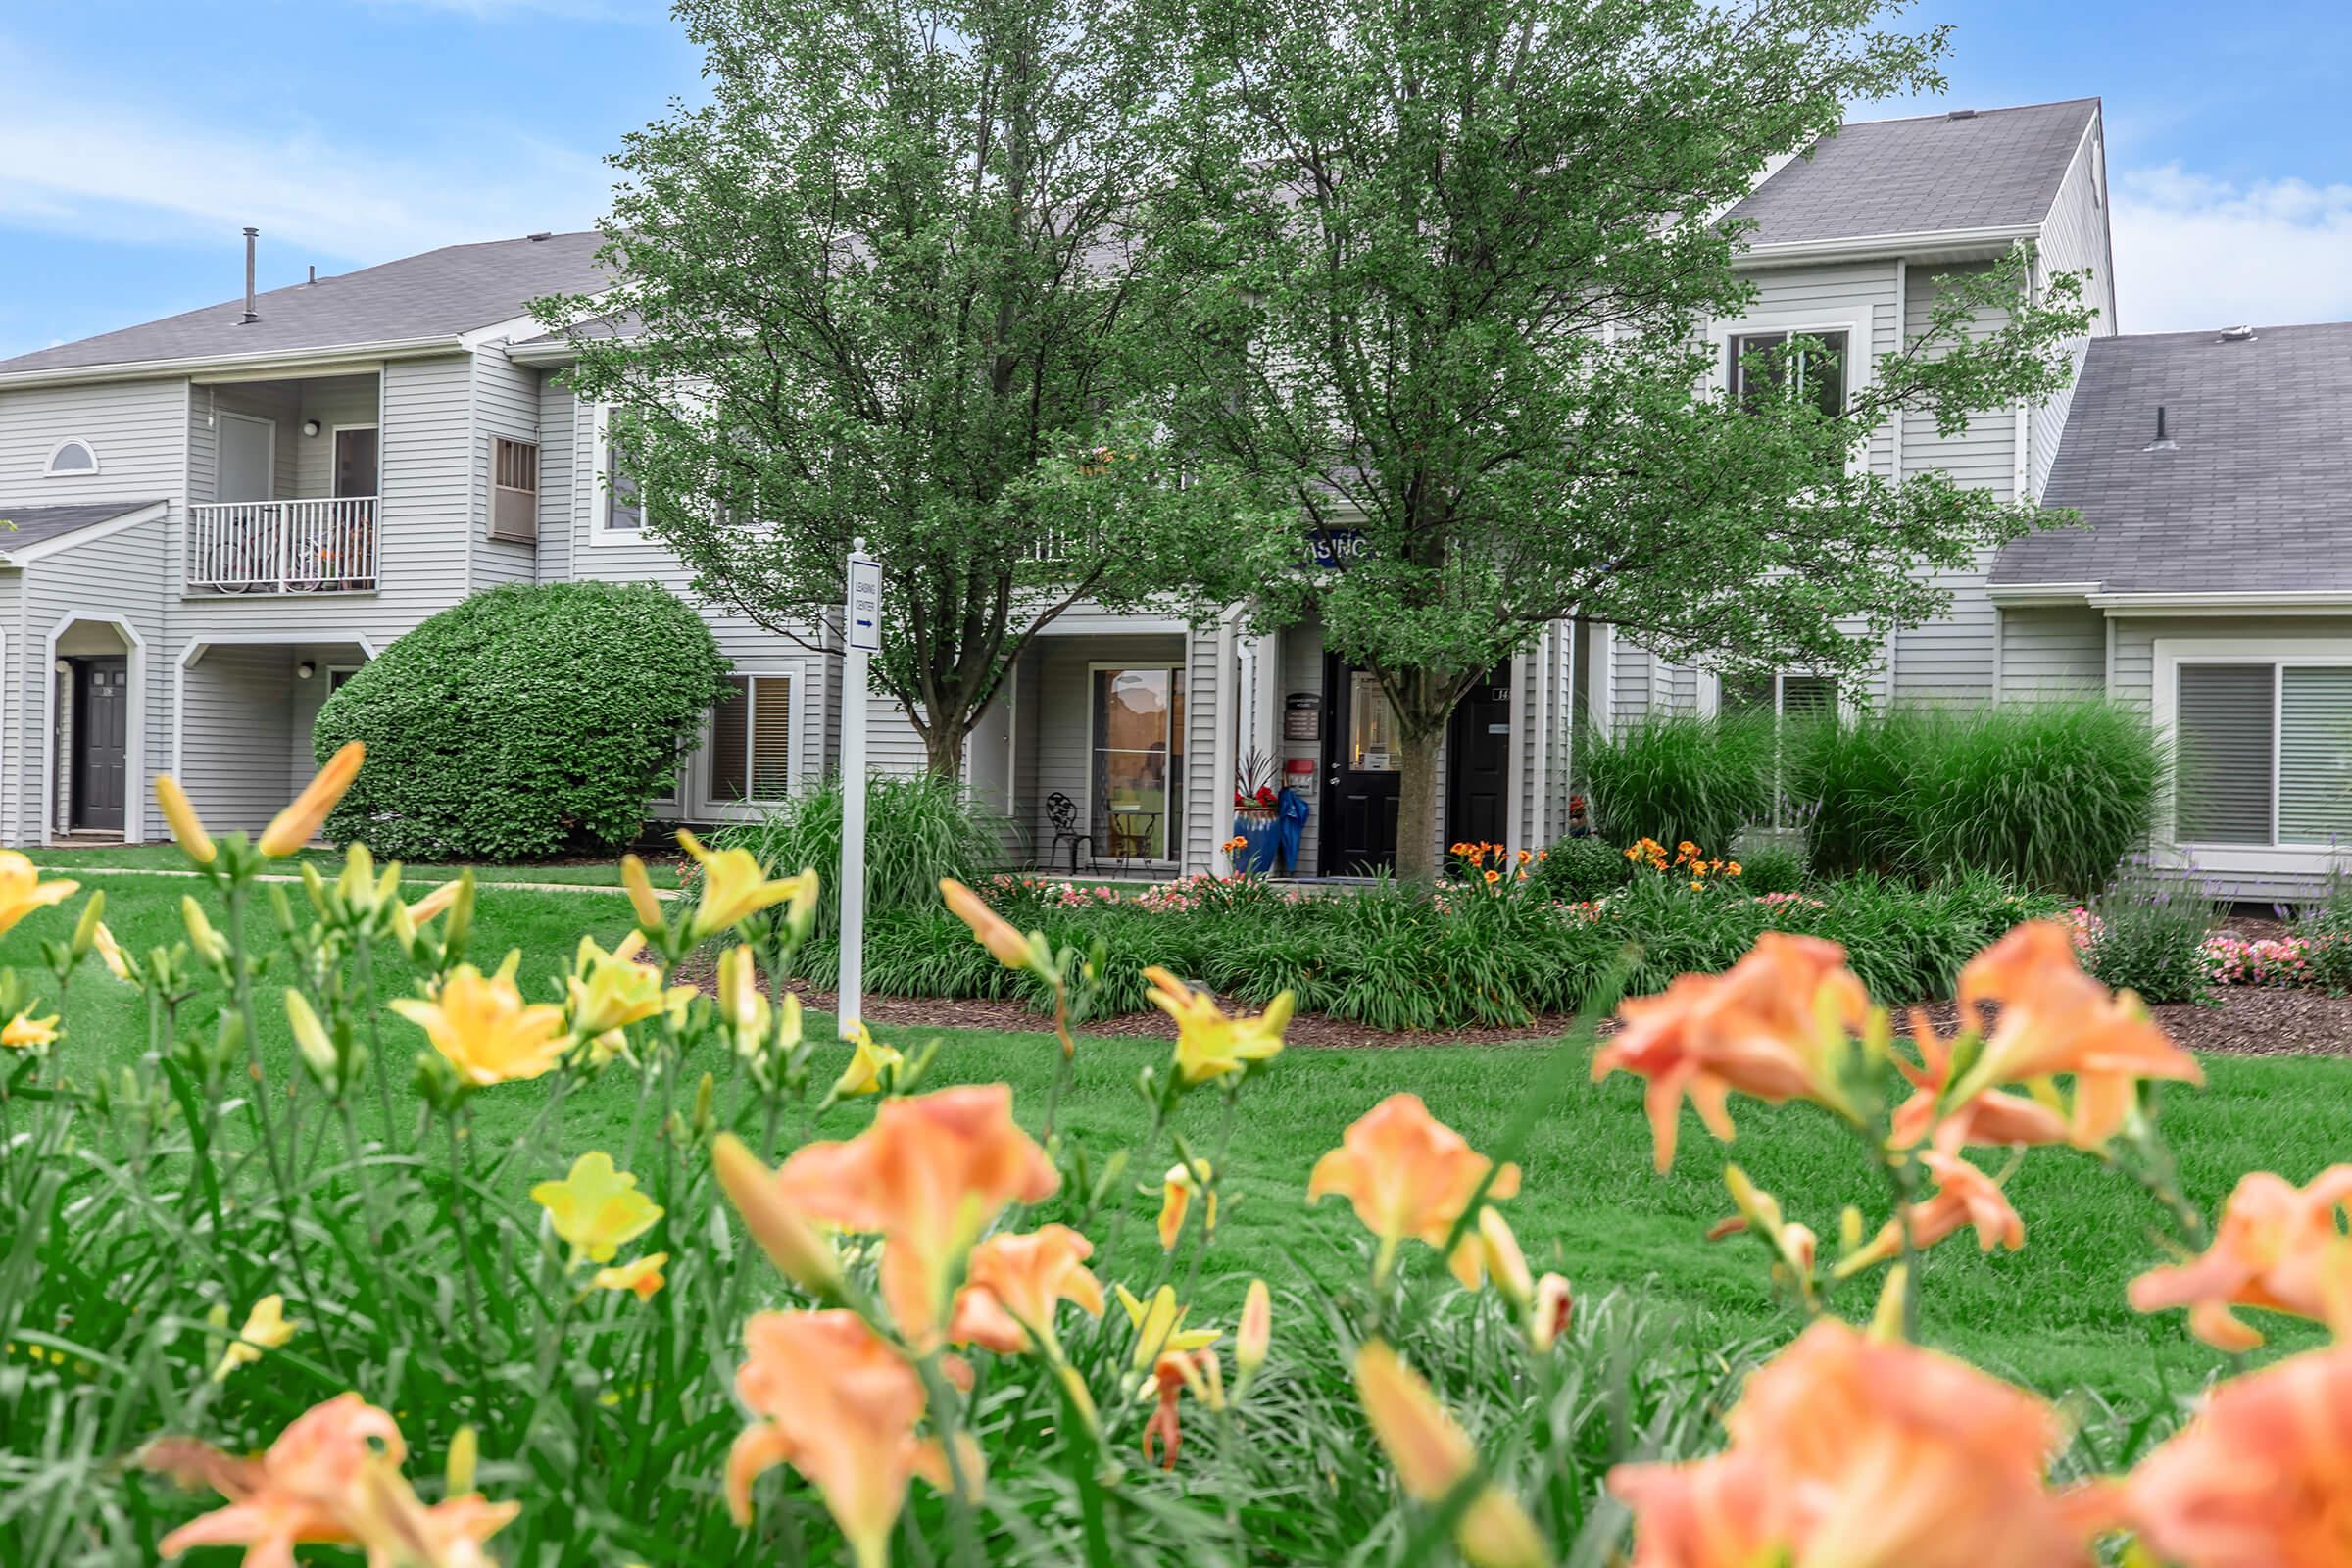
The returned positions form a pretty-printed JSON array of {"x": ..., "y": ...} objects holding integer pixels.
[
  {"x": 1361, "y": 779},
  {"x": 100, "y": 731},
  {"x": 1478, "y": 758}
]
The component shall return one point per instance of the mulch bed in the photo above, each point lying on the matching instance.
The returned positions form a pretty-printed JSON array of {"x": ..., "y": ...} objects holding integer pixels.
[{"x": 2248, "y": 1022}]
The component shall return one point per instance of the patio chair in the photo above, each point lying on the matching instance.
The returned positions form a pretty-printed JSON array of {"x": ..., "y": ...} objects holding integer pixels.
[{"x": 1061, "y": 812}]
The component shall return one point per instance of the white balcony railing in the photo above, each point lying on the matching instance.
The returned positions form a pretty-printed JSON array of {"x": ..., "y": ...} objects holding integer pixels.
[{"x": 282, "y": 547}]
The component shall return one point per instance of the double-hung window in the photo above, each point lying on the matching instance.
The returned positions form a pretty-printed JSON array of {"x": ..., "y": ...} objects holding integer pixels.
[
  {"x": 751, "y": 741},
  {"x": 619, "y": 507},
  {"x": 1765, "y": 364},
  {"x": 2262, "y": 750}
]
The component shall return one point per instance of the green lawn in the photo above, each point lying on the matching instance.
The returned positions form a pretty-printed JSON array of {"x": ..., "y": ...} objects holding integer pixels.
[
  {"x": 2053, "y": 1315},
  {"x": 166, "y": 857}
]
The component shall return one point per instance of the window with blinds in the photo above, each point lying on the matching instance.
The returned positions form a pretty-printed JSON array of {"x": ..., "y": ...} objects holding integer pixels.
[
  {"x": 751, "y": 740},
  {"x": 2226, "y": 723},
  {"x": 514, "y": 490},
  {"x": 2315, "y": 753}
]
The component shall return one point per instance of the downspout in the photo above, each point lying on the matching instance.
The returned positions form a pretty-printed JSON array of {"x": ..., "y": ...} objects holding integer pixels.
[
  {"x": 1228, "y": 713},
  {"x": 1902, "y": 326}
]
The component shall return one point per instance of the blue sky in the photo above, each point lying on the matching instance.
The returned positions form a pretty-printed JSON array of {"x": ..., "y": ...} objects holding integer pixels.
[{"x": 136, "y": 136}]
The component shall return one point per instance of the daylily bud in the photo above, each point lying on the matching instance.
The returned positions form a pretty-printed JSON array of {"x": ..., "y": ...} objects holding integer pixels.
[
  {"x": 1506, "y": 1263},
  {"x": 111, "y": 953},
  {"x": 356, "y": 884},
  {"x": 464, "y": 1449},
  {"x": 314, "y": 886},
  {"x": 782, "y": 1234},
  {"x": 201, "y": 936},
  {"x": 186, "y": 826},
  {"x": 299, "y": 823},
  {"x": 310, "y": 1037},
  {"x": 1255, "y": 1335},
  {"x": 1548, "y": 1319},
  {"x": 996, "y": 933},
  {"x": 85, "y": 930},
  {"x": 641, "y": 892}
]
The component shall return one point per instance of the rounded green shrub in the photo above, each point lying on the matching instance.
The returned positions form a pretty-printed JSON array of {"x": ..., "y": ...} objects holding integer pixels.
[
  {"x": 1579, "y": 871},
  {"x": 526, "y": 723}
]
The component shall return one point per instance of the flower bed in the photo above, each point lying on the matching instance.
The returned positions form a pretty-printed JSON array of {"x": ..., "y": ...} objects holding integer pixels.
[{"x": 2230, "y": 959}]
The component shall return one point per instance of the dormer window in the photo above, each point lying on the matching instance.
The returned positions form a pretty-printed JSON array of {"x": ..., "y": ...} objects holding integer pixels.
[{"x": 73, "y": 460}]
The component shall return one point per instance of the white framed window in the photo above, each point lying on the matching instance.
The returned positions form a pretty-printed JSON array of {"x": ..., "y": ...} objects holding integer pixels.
[
  {"x": 1784, "y": 694},
  {"x": 1764, "y": 365},
  {"x": 619, "y": 503},
  {"x": 1135, "y": 760},
  {"x": 71, "y": 459},
  {"x": 2261, "y": 740},
  {"x": 751, "y": 750}
]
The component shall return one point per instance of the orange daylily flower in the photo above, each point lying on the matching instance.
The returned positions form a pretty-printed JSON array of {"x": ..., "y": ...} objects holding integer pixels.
[
  {"x": 1763, "y": 1027},
  {"x": 996, "y": 933},
  {"x": 1171, "y": 1374},
  {"x": 1013, "y": 1284},
  {"x": 1408, "y": 1174},
  {"x": 299, "y": 823},
  {"x": 929, "y": 1175},
  {"x": 1964, "y": 1195},
  {"x": 783, "y": 1233},
  {"x": 1992, "y": 1116},
  {"x": 2261, "y": 1478},
  {"x": 1844, "y": 1450},
  {"x": 834, "y": 1400},
  {"x": 2056, "y": 1019},
  {"x": 332, "y": 1478},
  {"x": 484, "y": 1028},
  {"x": 2278, "y": 1247},
  {"x": 1210, "y": 1044},
  {"x": 1176, "y": 1200},
  {"x": 1433, "y": 1455}
]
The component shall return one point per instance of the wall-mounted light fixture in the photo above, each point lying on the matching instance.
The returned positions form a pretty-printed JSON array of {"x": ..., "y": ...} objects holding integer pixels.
[
  {"x": 305, "y": 670},
  {"x": 309, "y": 427},
  {"x": 63, "y": 666}
]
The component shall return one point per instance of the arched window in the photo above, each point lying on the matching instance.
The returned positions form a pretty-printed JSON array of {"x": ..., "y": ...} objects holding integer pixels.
[{"x": 72, "y": 459}]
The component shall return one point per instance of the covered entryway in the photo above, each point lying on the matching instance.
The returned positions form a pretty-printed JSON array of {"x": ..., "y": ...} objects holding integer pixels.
[
  {"x": 243, "y": 714},
  {"x": 94, "y": 720}
]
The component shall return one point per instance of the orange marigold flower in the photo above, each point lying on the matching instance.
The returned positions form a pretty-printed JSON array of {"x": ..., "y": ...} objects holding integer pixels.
[
  {"x": 834, "y": 1400},
  {"x": 1763, "y": 1027},
  {"x": 929, "y": 1175},
  {"x": 1409, "y": 1175},
  {"x": 1013, "y": 1283},
  {"x": 2261, "y": 1478},
  {"x": 2056, "y": 1019},
  {"x": 1847, "y": 1450},
  {"x": 2278, "y": 1248}
]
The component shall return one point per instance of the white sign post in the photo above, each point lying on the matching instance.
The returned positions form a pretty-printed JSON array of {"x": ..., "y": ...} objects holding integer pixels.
[{"x": 861, "y": 627}]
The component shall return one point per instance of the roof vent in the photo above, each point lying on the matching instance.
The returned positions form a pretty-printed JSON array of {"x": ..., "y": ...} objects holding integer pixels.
[
  {"x": 2163, "y": 442},
  {"x": 544, "y": 233},
  {"x": 2237, "y": 335},
  {"x": 1961, "y": 114}
]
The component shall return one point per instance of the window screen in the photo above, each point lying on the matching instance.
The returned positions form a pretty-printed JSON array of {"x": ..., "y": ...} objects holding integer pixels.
[
  {"x": 2222, "y": 753},
  {"x": 2315, "y": 755},
  {"x": 751, "y": 740}
]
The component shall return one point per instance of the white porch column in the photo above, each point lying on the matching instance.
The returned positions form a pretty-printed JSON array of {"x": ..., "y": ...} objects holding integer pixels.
[{"x": 1265, "y": 655}]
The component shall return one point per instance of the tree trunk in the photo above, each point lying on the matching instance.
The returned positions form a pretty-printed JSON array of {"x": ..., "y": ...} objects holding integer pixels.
[
  {"x": 1417, "y": 804},
  {"x": 943, "y": 751}
]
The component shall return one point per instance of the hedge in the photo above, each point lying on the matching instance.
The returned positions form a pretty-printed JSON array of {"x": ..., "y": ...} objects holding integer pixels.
[{"x": 526, "y": 723}]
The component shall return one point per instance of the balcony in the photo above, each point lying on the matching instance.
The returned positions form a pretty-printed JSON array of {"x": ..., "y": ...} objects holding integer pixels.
[{"x": 321, "y": 546}]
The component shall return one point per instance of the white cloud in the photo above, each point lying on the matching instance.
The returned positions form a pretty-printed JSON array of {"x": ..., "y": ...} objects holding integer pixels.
[
  {"x": 635, "y": 10},
  {"x": 2193, "y": 252},
  {"x": 72, "y": 161}
]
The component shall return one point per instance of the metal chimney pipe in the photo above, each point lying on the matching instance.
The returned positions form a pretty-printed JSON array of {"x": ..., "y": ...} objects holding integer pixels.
[
  {"x": 250, "y": 235},
  {"x": 2160, "y": 435}
]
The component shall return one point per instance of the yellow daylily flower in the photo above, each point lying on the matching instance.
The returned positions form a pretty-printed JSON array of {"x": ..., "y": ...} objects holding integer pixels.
[
  {"x": 299, "y": 823},
  {"x": 267, "y": 1326},
  {"x": 1159, "y": 1327},
  {"x": 735, "y": 887},
  {"x": 24, "y": 1032},
  {"x": 485, "y": 1030},
  {"x": 1210, "y": 1044},
  {"x": 595, "y": 1208},
  {"x": 611, "y": 990},
  {"x": 21, "y": 890},
  {"x": 864, "y": 1074},
  {"x": 642, "y": 1275},
  {"x": 186, "y": 826}
]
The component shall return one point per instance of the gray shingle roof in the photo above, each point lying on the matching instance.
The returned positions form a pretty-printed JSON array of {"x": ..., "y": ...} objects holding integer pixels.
[
  {"x": 1997, "y": 169},
  {"x": 2257, "y": 497},
  {"x": 438, "y": 294},
  {"x": 32, "y": 524}
]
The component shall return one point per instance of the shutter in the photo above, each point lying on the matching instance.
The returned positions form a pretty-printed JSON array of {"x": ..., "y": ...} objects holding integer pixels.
[
  {"x": 2221, "y": 753},
  {"x": 2315, "y": 755},
  {"x": 771, "y": 737},
  {"x": 730, "y": 736}
]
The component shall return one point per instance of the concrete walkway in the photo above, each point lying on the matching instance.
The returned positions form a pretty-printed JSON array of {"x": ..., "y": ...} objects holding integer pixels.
[{"x": 79, "y": 872}]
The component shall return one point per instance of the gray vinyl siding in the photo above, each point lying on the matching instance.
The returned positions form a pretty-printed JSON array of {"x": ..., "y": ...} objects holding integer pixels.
[
  {"x": 2052, "y": 652},
  {"x": 560, "y": 459},
  {"x": 1208, "y": 798},
  {"x": 2073, "y": 239},
  {"x": 138, "y": 429},
  {"x": 1628, "y": 676},
  {"x": 239, "y": 714},
  {"x": 2135, "y": 638},
  {"x": 1951, "y": 657},
  {"x": 505, "y": 404}
]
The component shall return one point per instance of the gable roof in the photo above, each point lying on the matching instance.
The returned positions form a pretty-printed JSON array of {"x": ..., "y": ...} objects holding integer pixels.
[
  {"x": 1994, "y": 168},
  {"x": 2255, "y": 498},
  {"x": 440, "y": 294},
  {"x": 37, "y": 524}
]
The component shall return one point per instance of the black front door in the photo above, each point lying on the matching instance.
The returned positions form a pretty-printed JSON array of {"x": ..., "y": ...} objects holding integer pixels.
[
  {"x": 100, "y": 731},
  {"x": 1360, "y": 793},
  {"x": 1477, "y": 757}
]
